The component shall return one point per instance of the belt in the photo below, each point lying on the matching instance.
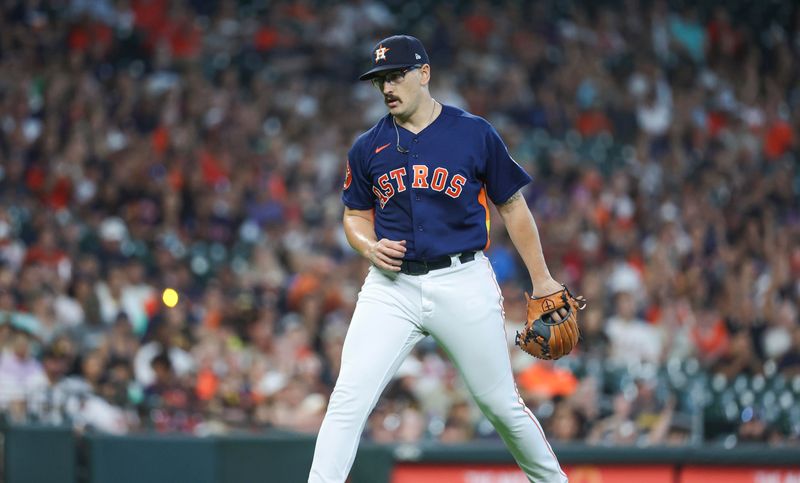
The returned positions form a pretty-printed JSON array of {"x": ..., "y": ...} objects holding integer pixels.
[{"x": 421, "y": 267}]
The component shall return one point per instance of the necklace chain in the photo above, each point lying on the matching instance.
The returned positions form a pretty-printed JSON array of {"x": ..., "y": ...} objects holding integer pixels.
[
  {"x": 430, "y": 119},
  {"x": 397, "y": 132}
]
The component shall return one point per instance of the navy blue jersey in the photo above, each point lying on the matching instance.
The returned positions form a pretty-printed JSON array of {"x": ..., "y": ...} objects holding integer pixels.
[{"x": 434, "y": 196}]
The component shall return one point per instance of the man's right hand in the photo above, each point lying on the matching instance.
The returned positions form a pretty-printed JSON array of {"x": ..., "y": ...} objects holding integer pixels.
[{"x": 386, "y": 254}]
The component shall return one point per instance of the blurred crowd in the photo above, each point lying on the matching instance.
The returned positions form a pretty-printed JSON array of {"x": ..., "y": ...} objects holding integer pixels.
[{"x": 199, "y": 145}]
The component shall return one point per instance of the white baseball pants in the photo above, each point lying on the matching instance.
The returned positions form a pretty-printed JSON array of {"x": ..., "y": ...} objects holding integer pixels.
[{"x": 461, "y": 307}]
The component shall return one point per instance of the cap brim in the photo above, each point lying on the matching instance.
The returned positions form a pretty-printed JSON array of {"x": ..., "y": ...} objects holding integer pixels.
[{"x": 382, "y": 68}]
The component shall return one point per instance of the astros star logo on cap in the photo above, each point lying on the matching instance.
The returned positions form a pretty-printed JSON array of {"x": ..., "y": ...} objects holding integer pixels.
[{"x": 380, "y": 53}]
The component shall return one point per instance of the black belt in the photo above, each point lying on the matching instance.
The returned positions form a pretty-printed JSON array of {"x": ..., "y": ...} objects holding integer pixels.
[{"x": 421, "y": 267}]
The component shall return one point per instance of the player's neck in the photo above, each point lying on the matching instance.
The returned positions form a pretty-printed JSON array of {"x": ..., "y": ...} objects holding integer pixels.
[{"x": 422, "y": 117}]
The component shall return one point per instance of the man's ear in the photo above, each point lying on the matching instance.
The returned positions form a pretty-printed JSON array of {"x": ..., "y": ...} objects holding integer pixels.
[{"x": 425, "y": 74}]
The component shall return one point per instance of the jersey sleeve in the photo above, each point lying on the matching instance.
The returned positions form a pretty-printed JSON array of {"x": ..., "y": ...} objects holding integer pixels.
[
  {"x": 504, "y": 176},
  {"x": 356, "y": 192}
]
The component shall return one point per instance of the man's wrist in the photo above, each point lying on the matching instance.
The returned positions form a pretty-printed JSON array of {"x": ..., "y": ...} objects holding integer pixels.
[{"x": 369, "y": 249}]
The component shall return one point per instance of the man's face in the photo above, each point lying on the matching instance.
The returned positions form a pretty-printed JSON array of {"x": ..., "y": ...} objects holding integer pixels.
[
  {"x": 20, "y": 346},
  {"x": 400, "y": 89},
  {"x": 54, "y": 366}
]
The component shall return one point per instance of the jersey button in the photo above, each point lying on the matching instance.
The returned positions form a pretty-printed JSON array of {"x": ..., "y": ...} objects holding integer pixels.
[
  {"x": 416, "y": 140},
  {"x": 417, "y": 197},
  {"x": 419, "y": 227},
  {"x": 416, "y": 155}
]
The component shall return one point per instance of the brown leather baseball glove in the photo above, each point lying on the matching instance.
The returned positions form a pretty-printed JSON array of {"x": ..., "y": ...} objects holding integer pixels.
[{"x": 552, "y": 328}]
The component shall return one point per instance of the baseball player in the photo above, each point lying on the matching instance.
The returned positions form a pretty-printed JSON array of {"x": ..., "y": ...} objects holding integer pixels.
[{"x": 416, "y": 194}]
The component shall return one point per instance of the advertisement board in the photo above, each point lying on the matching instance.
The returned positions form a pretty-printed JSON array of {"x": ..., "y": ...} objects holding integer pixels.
[
  {"x": 460, "y": 473},
  {"x": 704, "y": 474}
]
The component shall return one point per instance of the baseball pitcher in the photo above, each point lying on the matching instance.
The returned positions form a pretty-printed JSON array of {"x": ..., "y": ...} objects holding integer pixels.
[{"x": 416, "y": 194}]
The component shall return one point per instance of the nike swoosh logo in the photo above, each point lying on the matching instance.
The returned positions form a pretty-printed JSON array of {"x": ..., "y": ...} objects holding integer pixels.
[{"x": 381, "y": 148}]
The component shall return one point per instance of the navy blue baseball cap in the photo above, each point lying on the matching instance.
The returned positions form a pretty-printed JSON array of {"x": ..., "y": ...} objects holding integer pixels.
[{"x": 396, "y": 52}]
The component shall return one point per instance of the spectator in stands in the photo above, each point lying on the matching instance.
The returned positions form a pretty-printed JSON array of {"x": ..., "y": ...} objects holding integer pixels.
[
  {"x": 789, "y": 363},
  {"x": 192, "y": 148},
  {"x": 169, "y": 402},
  {"x": 20, "y": 374},
  {"x": 618, "y": 428},
  {"x": 165, "y": 341},
  {"x": 633, "y": 340},
  {"x": 566, "y": 424},
  {"x": 46, "y": 402},
  {"x": 458, "y": 426}
]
